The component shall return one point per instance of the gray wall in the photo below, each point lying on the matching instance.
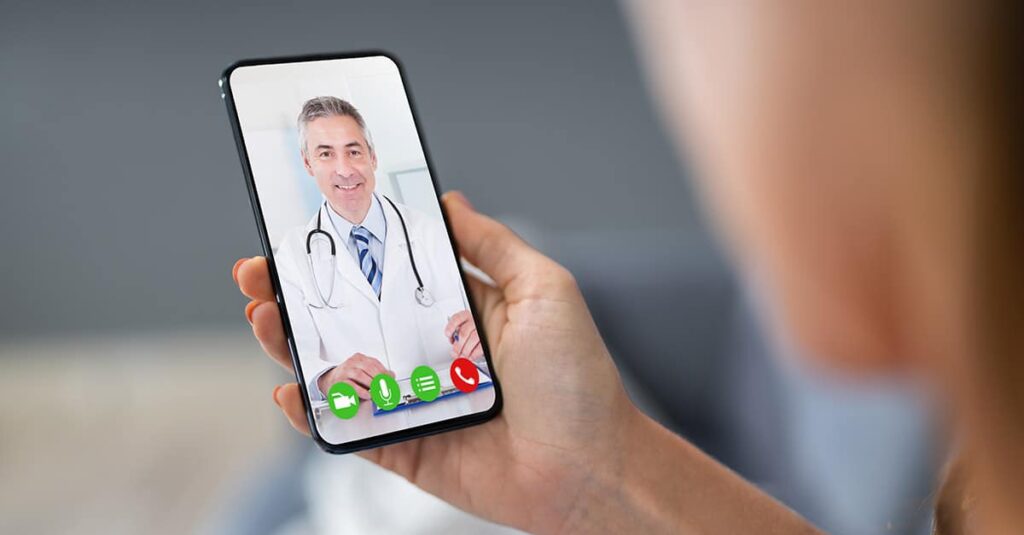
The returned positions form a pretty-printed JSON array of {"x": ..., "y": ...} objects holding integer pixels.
[{"x": 124, "y": 205}]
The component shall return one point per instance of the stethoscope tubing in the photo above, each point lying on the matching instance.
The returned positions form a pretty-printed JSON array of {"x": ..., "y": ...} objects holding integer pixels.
[{"x": 422, "y": 295}]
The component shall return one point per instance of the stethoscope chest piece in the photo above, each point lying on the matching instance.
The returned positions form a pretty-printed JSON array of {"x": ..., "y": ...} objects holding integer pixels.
[{"x": 424, "y": 297}]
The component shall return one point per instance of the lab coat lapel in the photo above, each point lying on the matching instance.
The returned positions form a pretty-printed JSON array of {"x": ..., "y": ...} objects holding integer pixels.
[
  {"x": 347, "y": 268},
  {"x": 396, "y": 257},
  {"x": 320, "y": 261}
]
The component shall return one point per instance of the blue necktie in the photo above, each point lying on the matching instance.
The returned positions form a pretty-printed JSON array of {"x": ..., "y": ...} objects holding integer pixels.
[{"x": 366, "y": 261}]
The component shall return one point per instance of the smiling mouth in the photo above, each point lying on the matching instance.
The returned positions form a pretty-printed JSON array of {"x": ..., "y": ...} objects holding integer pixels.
[{"x": 347, "y": 188}]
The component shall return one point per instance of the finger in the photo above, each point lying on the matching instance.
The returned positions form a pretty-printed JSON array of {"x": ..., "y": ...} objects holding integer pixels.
[
  {"x": 470, "y": 341},
  {"x": 359, "y": 377},
  {"x": 487, "y": 244},
  {"x": 249, "y": 308},
  {"x": 355, "y": 378},
  {"x": 266, "y": 325},
  {"x": 476, "y": 352},
  {"x": 360, "y": 391},
  {"x": 458, "y": 320},
  {"x": 254, "y": 279},
  {"x": 289, "y": 398},
  {"x": 464, "y": 349},
  {"x": 234, "y": 269},
  {"x": 464, "y": 339},
  {"x": 375, "y": 367},
  {"x": 449, "y": 328},
  {"x": 365, "y": 364}
]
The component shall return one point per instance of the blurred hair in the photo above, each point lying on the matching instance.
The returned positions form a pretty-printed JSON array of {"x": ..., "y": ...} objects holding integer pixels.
[{"x": 318, "y": 107}]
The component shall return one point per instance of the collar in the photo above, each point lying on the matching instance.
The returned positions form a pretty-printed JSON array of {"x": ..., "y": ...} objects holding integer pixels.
[{"x": 374, "y": 221}]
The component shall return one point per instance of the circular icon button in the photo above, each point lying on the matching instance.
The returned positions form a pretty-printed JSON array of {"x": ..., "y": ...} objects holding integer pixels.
[
  {"x": 343, "y": 400},
  {"x": 465, "y": 376},
  {"x": 425, "y": 383},
  {"x": 385, "y": 392}
]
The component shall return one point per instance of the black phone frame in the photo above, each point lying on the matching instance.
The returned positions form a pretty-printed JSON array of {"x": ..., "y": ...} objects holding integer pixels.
[{"x": 451, "y": 424}]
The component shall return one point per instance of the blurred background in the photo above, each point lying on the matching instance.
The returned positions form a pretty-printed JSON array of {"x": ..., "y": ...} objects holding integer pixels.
[{"x": 133, "y": 396}]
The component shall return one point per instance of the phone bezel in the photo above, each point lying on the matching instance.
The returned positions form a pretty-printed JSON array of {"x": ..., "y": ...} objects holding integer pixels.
[{"x": 396, "y": 436}]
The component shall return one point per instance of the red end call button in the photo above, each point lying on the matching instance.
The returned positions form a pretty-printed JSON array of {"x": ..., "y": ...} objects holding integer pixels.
[{"x": 465, "y": 376}]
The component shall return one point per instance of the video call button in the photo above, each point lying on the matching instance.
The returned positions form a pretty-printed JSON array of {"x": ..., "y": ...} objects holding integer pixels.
[
  {"x": 464, "y": 374},
  {"x": 425, "y": 383},
  {"x": 343, "y": 400}
]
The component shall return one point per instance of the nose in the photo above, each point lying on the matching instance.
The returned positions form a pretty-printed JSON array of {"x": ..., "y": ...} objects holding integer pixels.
[{"x": 344, "y": 169}]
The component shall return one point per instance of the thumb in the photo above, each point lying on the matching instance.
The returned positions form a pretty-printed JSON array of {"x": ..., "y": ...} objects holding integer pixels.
[{"x": 486, "y": 243}]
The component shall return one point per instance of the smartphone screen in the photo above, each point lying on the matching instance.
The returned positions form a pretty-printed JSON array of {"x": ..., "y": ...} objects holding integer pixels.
[{"x": 383, "y": 335}]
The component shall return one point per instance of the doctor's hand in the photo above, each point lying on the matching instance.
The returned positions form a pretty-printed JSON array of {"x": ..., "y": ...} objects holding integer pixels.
[
  {"x": 461, "y": 333},
  {"x": 357, "y": 370}
]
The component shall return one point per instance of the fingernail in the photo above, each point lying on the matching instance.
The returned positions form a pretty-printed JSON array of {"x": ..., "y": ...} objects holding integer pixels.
[
  {"x": 274, "y": 395},
  {"x": 249, "y": 308},
  {"x": 459, "y": 197},
  {"x": 234, "y": 269}
]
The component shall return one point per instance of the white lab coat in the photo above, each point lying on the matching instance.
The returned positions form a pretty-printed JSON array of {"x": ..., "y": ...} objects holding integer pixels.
[{"x": 395, "y": 329}]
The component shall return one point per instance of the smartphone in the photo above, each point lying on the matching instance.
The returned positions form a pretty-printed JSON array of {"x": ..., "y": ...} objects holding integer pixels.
[{"x": 385, "y": 341}]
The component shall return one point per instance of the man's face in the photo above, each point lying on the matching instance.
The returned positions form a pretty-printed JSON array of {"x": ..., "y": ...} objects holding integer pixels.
[{"x": 339, "y": 157}]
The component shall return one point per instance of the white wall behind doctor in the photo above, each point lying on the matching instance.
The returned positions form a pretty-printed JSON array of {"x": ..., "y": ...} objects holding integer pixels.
[{"x": 268, "y": 99}]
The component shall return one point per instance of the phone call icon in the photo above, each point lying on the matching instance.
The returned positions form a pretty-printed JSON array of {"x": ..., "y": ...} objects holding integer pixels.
[{"x": 464, "y": 374}]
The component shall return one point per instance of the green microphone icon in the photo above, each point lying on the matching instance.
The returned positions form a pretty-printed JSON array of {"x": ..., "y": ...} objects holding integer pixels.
[{"x": 384, "y": 391}]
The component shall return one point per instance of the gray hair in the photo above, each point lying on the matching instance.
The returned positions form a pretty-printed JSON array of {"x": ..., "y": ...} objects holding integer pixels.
[{"x": 318, "y": 107}]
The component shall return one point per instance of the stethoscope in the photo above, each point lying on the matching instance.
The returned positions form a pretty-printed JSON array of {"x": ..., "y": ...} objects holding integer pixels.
[{"x": 422, "y": 294}]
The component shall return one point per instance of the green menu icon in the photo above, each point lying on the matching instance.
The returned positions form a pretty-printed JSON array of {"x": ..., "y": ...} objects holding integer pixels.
[{"x": 425, "y": 383}]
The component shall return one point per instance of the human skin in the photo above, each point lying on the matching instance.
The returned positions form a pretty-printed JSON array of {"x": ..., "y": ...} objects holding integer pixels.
[
  {"x": 569, "y": 453},
  {"x": 341, "y": 160},
  {"x": 822, "y": 136},
  {"x": 357, "y": 370},
  {"x": 840, "y": 147}
]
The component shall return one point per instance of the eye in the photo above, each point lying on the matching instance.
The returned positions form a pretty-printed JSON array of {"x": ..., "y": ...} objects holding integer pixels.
[
  {"x": 324, "y": 154},
  {"x": 355, "y": 152}
]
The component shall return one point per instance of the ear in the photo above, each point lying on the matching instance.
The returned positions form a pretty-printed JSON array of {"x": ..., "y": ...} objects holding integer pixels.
[
  {"x": 305, "y": 162},
  {"x": 373, "y": 158}
]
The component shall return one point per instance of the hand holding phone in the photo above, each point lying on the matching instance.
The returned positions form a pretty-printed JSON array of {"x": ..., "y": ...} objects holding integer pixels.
[{"x": 566, "y": 418}]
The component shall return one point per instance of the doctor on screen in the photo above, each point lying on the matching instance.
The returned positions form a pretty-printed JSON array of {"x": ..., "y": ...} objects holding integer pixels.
[{"x": 371, "y": 286}]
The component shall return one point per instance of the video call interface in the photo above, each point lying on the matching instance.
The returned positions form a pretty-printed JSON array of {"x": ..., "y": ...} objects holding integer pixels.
[{"x": 385, "y": 337}]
